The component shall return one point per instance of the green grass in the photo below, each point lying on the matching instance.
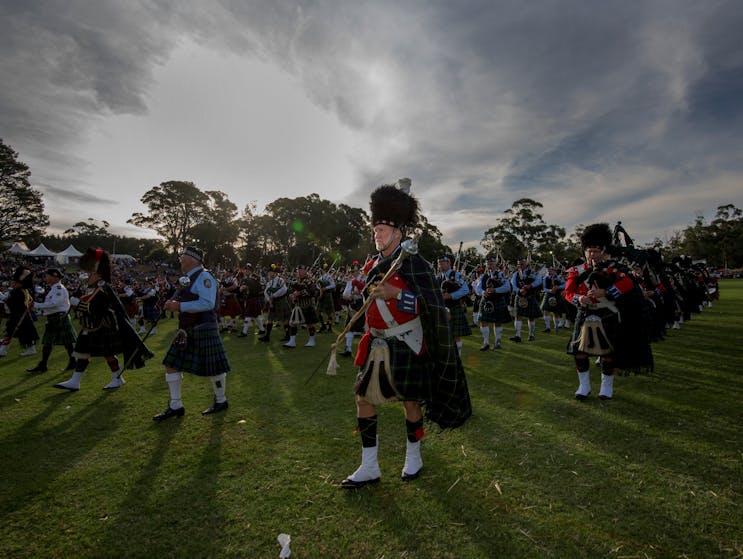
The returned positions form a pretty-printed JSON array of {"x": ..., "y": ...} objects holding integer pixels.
[{"x": 657, "y": 472}]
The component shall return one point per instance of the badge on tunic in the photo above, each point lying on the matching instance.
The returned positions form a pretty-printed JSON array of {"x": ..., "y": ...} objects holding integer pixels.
[{"x": 207, "y": 283}]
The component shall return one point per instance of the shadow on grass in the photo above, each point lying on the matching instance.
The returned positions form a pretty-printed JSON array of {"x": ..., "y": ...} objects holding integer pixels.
[
  {"x": 29, "y": 469},
  {"x": 171, "y": 492}
]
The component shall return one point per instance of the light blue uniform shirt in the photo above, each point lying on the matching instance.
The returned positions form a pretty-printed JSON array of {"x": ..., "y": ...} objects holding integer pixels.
[{"x": 205, "y": 287}]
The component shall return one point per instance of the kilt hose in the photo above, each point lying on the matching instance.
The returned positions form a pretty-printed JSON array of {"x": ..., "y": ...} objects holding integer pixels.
[
  {"x": 203, "y": 354},
  {"x": 458, "y": 322},
  {"x": 280, "y": 310},
  {"x": 59, "y": 330},
  {"x": 494, "y": 310},
  {"x": 412, "y": 374}
]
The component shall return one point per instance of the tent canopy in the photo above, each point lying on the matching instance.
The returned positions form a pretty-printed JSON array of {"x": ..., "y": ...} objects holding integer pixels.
[
  {"x": 41, "y": 250},
  {"x": 18, "y": 248},
  {"x": 70, "y": 251}
]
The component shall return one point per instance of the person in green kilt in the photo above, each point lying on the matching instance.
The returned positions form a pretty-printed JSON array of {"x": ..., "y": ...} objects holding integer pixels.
[
  {"x": 59, "y": 329},
  {"x": 197, "y": 347},
  {"x": 106, "y": 330},
  {"x": 408, "y": 352}
]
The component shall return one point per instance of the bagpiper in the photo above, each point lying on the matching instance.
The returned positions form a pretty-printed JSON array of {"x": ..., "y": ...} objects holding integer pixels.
[{"x": 454, "y": 289}]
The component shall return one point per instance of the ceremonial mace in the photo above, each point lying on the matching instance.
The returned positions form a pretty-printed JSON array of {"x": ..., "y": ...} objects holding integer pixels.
[{"x": 408, "y": 248}]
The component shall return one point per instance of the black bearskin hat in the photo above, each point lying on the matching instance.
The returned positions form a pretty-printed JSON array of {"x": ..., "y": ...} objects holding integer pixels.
[
  {"x": 596, "y": 235},
  {"x": 24, "y": 276},
  {"x": 98, "y": 261},
  {"x": 393, "y": 205}
]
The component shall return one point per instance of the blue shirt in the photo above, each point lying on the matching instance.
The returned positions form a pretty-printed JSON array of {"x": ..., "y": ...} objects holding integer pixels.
[{"x": 205, "y": 287}]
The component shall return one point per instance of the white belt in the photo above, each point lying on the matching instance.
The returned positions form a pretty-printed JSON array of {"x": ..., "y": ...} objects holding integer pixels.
[{"x": 410, "y": 333}]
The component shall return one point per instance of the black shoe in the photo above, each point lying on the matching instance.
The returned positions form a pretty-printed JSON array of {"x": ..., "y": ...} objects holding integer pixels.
[
  {"x": 582, "y": 397},
  {"x": 264, "y": 339},
  {"x": 411, "y": 477},
  {"x": 603, "y": 397},
  {"x": 516, "y": 339},
  {"x": 169, "y": 412},
  {"x": 38, "y": 369},
  {"x": 485, "y": 347},
  {"x": 216, "y": 407},
  {"x": 348, "y": 483},
  {"x": 496, "y": 346},
  {"x": 547, "y": 330},
  {"x": 241, "y": 335},
  {"x": 531, "y": 337},
  {"x": 347, "y": 353}
]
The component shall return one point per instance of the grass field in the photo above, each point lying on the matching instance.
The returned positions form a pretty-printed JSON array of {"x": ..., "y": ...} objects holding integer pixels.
[{"x": 656, "y": 472}]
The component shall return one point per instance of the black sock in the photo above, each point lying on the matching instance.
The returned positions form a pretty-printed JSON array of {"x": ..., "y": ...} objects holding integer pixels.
[
  {"x": 414, "y": 430},
  {"x": 368, "y": 430}
]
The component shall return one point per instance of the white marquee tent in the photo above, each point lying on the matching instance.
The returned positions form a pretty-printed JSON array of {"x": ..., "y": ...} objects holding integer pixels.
[
  {"x": 18, "y": 248},
  {"x": 67, "y": 254},
  {"x": 42, "y": 251}
]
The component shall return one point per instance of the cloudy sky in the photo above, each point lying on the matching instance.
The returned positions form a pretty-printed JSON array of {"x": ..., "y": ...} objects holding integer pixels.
[{"x": 600, "y": 110}]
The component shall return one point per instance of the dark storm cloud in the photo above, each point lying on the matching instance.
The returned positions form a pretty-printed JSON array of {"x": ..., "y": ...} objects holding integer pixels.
[{"x": 576, "y": 103}]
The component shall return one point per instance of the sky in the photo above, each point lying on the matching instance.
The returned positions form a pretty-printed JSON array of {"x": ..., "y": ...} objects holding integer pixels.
[{"x": 601, "y": 111}]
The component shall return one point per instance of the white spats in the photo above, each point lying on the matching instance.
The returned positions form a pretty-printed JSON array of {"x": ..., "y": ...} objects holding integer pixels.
[
  {"x": 117, "y": 381},
  {"x": 413, "y": 460},
  {"x": 4, "y": 349},
  {"x": 607, "y": 387},
  {"x": 369, "y": 469},
  {"x": 584, "y": 386},
  {"x": 73, "y": 383},
  {"x": 30, "y": 350},
  {"x": 485, "y": 331},
  {"x": 292, "y": 342},
  {"x": 311, "y": 342}
]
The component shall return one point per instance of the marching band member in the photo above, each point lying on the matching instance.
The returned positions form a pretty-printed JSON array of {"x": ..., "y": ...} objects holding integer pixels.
[
  {"x": 526, "y": 285},
  {"x": 552, "y": 300},
  {"x": 495, "y": 289},
  {"x": 609, "y": 322},
  {"x": 395, "y": 360},
  {"x": 277, "y": 302},
  {"x": 251, "y": 293},
  {"x": 454, "y": 289},
  {"x": 20, "y": 322},
  {"x": 303, "y": 296},
  {"x": 197, "y": 347},
  {"x": 353, "y": 294},
  {"x": 106, "y": 330},
  {"x": 59, "y": 329},
  {"x": 326, "y": 305}
]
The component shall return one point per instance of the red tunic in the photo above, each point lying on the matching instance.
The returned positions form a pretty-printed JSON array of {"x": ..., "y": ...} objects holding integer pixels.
[
  {"x": 374, "y": 317},
  {"x": 575, "y": 289}
]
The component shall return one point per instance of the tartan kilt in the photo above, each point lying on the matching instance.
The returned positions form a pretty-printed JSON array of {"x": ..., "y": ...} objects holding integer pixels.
[
  {"x": 327, "y": 304},
  {"x": 531, "y": 310},
  {"x": 458, "y": 322},
  {"x": 132, "y": 308},
  {"x": 253, "y": 307},
  {"x": 412, "y": 374},
  {"x": 59, "y": 330},
  {"x": 280, "y": 310},
  {"x": 203, "y": 355},
  {"x": 557, "y": 307},
  {"x": 310, "y": 315},
  {"x": 231, "y": 306},
  {"x": 498, "y": 314},
  {"x": 100, "y": 343},
  {"x": 150, "y": 313}
]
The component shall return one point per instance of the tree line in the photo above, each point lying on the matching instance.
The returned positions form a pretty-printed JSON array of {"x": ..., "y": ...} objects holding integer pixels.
[{"x": 309, "y": 230}]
